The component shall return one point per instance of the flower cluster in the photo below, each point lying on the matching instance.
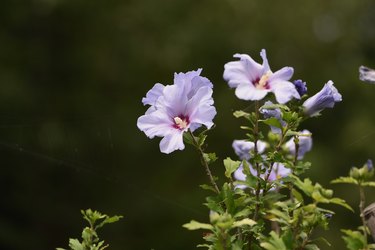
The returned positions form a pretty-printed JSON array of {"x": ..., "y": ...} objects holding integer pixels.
[{"x": 270, "y": 157}]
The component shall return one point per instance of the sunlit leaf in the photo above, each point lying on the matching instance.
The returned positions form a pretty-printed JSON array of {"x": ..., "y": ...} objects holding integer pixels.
[{"x": 195, "y": 225}]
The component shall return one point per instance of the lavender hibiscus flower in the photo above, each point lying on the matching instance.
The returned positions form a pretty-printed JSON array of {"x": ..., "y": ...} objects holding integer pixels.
[
  {"x": 242, "y": 149},
  {"x": 175, "y": 109},
  {"x": 278, "y": 171},
  {"x": 254, "y": 81},
  {"x": 325, "y": 98}
]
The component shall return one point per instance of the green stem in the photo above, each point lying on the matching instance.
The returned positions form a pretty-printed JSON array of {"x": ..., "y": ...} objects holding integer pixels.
[
  {"x": 290, "y": 185},
  {"x": 306, "y": 240},
  {"x": 361, "y": 210},
  {"x": 256, "y": 134},
  {"x": 204, "y": 163}
]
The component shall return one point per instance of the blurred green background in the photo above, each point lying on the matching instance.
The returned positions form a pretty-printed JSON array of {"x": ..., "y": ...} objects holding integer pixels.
[{"x": 72, "y": 75}]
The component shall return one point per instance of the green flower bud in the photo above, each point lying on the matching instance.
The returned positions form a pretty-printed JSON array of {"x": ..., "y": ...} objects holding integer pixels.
[{"x": 355, "y": 173}]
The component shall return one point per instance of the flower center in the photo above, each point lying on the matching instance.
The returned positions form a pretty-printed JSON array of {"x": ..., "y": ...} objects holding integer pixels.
[
  {"x": 262, "y": 83},
  {"x": 181, "y": 122}
]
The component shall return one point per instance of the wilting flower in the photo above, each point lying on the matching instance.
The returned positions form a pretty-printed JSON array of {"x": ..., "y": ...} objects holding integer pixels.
[
  {"x": 300, "y": 86},
  {"x": 177, "y": 108},
  {"x": 325, "y": 98},
  {"x": 276, "y": 113},
  {"x": 253, "y": 81},
  {"x": 304, "y": 144},
  {"x": 242, "y": 148}
]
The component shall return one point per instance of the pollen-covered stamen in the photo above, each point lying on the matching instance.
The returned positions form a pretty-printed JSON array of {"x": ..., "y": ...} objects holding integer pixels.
[
  {"x": 262, "y": 83},
  {"x": 181, "y": 122}
]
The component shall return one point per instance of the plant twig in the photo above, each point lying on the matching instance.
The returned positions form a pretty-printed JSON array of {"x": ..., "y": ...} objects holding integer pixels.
[
  {"x": 256, "y": 134},
  {"x": 204, "y": 163},
  {"x": 361, "y": 210}
]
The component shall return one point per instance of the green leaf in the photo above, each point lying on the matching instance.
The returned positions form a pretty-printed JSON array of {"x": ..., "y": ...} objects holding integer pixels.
[
  {"x": 243, "y": 222},
  {"x": 87, "y": 233},
  {"x": 210, "y": 157},
  {"x": 246, "y": 128},
  {"x": 305, "y": 186},
  {"x": 341, "y": 202},
  {"x": 243, "y": 213},
  {"x": 280, "y": 216},
  {"x": 204, "y": 245},
  {"x": 275, "y": 106},
  {"x": 317, "y": 196},
  {"x": 230, "y": 167},
  {"x": 272, "y": 122},
  {"x": 227, "y": 194},
  {"x": 323, "y": 240},
  {"x": 189, "y": 139},
  {"x": 354, "y": 240},
  {"x": 240, "y": 113},
  {"x": 274, "y": 243},
  {"x": 368, "y": 184},
  {"x": 208, "y": 187},
  {"x": 194, "y": 225},
  {"x": 291, "y": 133},
  {"x": 348, "y": 180},
  {"x": 109, "y": 220},
  {"x": 74, "y": 244},
  {"x": 297, "y": 195},
  {"x": 311, "y": 247},
  {"x": 201, "y": 139}
]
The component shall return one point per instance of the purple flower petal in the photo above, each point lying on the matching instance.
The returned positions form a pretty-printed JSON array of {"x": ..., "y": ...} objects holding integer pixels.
[
  {"x": 153, "y": 94},
  {"x": 157, "y": 123},
  {"x": 325, "y": 98},
  {"x": 284, "y": 91},
  {"x": 171, "y": 142},
  {"x": 249, "y": 92},
  {"x": 242, "y": 148},
  {"x": 283, "y": 74}
]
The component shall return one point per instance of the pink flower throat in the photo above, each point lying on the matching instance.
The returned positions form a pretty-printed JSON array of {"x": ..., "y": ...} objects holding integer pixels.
[{"x": 181, "y": 122}]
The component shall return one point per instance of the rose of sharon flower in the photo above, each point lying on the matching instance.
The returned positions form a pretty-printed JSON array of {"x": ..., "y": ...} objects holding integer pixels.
[
  {"x": 278, "y": 171},
  {"x": 325, "y": 98},
  {"x": 254, "y": 81},
  {"x": 175, "y": 109},
  {"x": 304, "y": 144},
  {"x": 242, "y": 148}
]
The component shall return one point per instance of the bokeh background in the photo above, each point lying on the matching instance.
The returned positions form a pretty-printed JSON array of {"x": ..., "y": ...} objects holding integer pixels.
[{"x": 72, "y": 75}]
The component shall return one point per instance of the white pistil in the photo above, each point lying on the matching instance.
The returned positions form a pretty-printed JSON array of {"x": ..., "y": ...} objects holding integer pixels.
[
  {"x": 263, "y": 80},
  {"x": 182, "y": 124}
]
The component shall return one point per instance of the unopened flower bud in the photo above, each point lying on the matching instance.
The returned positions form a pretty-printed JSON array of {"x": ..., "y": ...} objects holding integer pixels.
[
  {"x": 369, "y": 165},
  {"x": 300, "y": 87},
  {"x": 354, "y": 173}
]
